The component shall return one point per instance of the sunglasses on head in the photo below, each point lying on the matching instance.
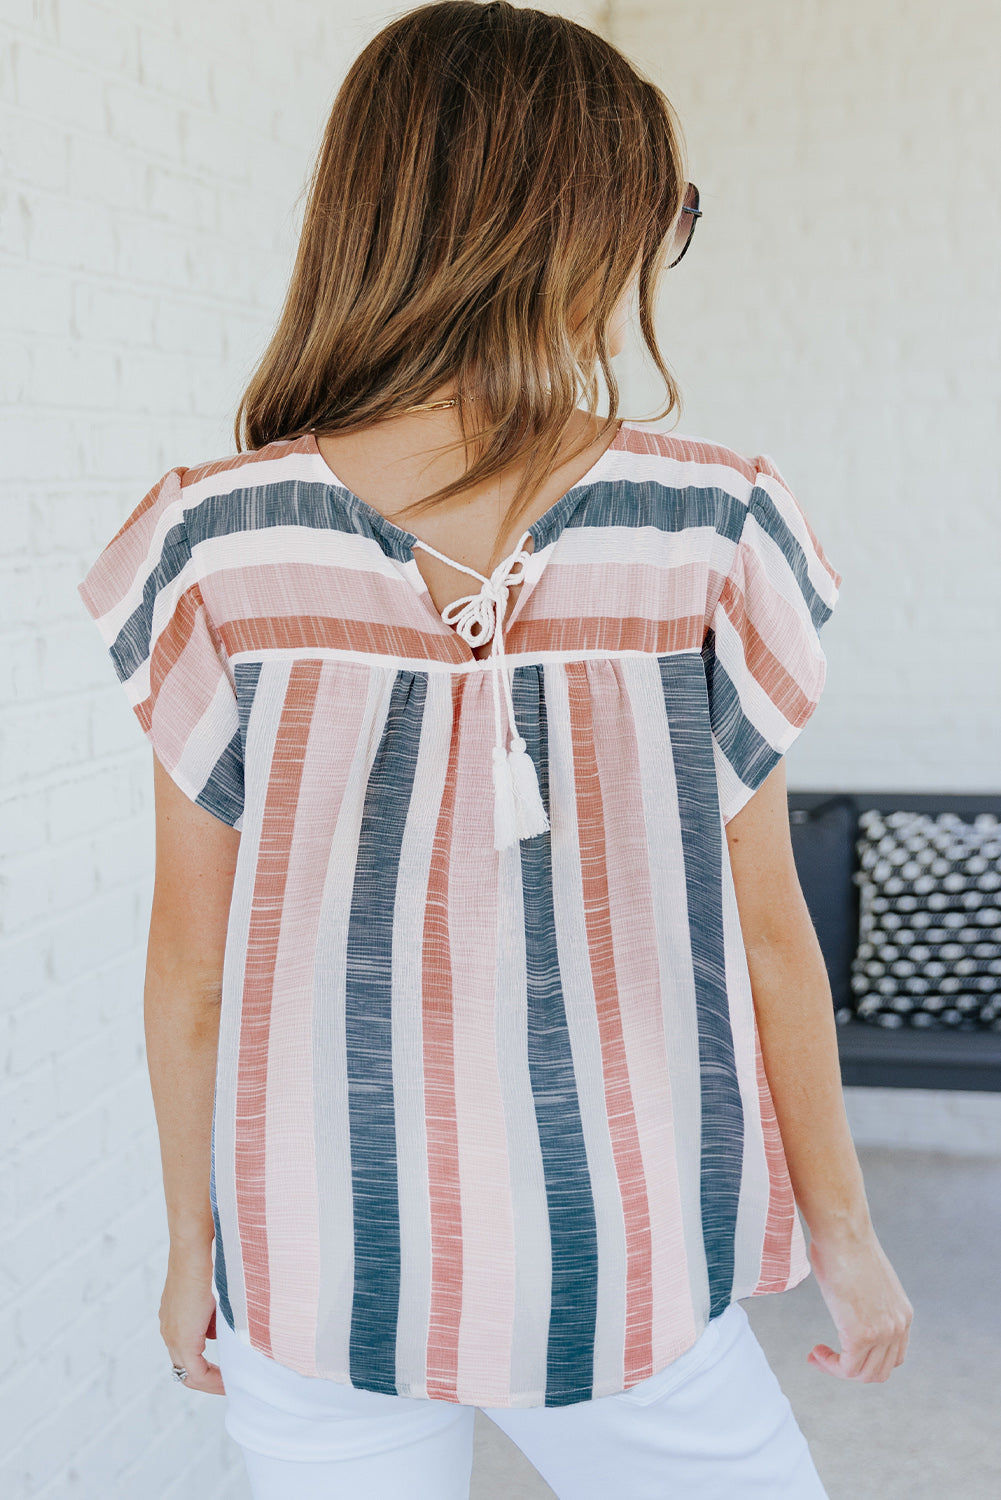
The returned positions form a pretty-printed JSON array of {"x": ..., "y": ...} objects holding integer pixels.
[{"x": 685, "y": 227}]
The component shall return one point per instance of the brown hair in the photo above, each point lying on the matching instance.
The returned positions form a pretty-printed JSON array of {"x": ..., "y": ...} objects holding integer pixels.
[{"x": 485, "y": 171}]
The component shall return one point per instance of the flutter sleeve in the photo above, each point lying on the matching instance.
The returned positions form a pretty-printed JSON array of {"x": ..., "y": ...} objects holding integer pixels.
[
  {"x": 143, "y": 594},
  {"x": 764, "y": 663}
]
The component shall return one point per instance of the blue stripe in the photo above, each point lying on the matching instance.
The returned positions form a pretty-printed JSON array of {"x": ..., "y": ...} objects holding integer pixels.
[
  {"x": 630, "y": 503},
  {"x": 222, "y": 793},
  {"x": 291, "y": 502},
  {"x": 329, "y": 507},
  {"x": 131, "y": 646},
  {"x": 219, "y": 1256},
  {"x": 368, "y": 1024},
  {"x": 246, "y": 674},
  {"x": 771, "y": 521},
  {"x": 572, "y": 1226},
  {"x": 702, "y": 847},
  {"x": 748, "y": 752}
]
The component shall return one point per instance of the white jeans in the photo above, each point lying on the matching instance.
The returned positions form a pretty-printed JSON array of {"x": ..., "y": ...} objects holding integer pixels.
[{"x": 715, "y": 1424}]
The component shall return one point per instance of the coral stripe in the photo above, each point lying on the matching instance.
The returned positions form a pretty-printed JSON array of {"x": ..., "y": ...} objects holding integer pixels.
[
  {"x": 776, "y": 1253},
  {"x": 768, "y": 671},
  {"x": 290, "y": 632},
  {"x": 439, "y": 1093},
  {"x": 618, "y": 1093},
  {"x": 262, "y": 952}
]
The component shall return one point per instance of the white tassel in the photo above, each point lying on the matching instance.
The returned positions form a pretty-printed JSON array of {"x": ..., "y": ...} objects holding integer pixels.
[
  {"x": 530, "y": 808},
  {"x": 505, "y": 806}
]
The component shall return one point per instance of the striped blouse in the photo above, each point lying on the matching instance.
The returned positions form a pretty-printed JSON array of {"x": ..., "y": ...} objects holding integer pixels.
[{"x": 491, "y": 1123}]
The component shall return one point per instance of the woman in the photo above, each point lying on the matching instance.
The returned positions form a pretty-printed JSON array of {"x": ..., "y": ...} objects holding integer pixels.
[{"x": 486, "y": 1068}]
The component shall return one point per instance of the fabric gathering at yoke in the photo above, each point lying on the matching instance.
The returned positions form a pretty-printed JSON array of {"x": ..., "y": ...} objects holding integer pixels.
[{"x": 491, "y": 1124}]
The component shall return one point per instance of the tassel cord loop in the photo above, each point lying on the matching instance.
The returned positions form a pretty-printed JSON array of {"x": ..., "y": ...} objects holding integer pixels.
[{"x": 519, "y": 811}]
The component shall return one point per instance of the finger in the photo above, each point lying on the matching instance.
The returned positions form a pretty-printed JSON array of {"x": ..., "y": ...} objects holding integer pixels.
[
  {"x": 821, "y": 1355},
  {"x": 202, "y": 1374},
  {"x": 894, "y": 1356},
  {"x": 844, "y": 1364},
  {"x": 825, "y": 1358},
  {"x": 873, "y": 1363}
]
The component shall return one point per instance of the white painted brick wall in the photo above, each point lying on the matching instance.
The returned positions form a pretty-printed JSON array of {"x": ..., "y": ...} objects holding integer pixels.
[
  {"x": 153, "y": 156},
  {"x": 839, "y": 310}
]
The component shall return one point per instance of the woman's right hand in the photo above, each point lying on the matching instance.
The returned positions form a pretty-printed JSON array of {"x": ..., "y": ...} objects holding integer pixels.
[
  {"x": 187, "y": 1310},
  {"x": 869, "y": 1306}
]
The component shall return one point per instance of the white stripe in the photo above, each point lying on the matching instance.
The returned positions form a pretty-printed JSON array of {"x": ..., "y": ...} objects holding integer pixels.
[
  {"x": 755, "y": 703},
  {"x": 676, "y": 471},
  {"x": 674, "y": 951},
  {"x": 111, "y": 622},
  {"x": 752, "y": 1205},
  {"x": 781, "y": 579},
  {"x": 790, "y": 511},
  {"x": 422, "y": 664},
  {"x": 270, "y": 546},
  {"x": 532, "y": 1245},
  {"x": 648, "y": 546},
  {"x": 209, "y": 737}
]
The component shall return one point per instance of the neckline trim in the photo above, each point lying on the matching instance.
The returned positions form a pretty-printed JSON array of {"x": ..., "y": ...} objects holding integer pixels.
[{"x": 401, "y": 542}]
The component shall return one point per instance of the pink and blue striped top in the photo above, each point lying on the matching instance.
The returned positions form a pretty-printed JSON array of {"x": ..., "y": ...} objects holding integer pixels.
[{"x": 491, "y": 1124}]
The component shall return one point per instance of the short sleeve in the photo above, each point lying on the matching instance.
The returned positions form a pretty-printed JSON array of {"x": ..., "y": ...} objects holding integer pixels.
[
  {"x": 765, "y": 666},
  {"x": 143, "y": 595}
]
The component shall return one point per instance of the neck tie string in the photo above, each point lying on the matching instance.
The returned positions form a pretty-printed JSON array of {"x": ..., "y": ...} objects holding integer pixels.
[{"x": 519, "y": 811}]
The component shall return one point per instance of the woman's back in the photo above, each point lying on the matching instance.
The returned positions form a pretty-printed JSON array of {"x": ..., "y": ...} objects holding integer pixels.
[{"x": 491, "y": 1123}]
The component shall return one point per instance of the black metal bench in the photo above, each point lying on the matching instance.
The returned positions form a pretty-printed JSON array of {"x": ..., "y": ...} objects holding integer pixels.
[{"x": 905, "y": 1056}]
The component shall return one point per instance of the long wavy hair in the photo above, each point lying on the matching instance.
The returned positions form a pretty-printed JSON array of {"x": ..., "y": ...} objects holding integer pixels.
[{"x": 488, "y": 180}]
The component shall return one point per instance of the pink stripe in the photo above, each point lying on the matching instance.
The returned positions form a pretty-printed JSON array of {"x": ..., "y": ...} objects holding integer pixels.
[
  {"x": 319, "y": 591},
  {"x": 774, "y": 643},
  {"x": 487, "y": 1211},
  {"x": 184, "y": 674},
  {"x": 626, "y": 590},
  {"x": 684, "y": 450},
  {"x": 776, "y": 1250},
  {"x": 259, "y": 990},
  {"x": 439, "y": 1095},
  {"x": 127, "y": 556},
  {"x": 637, "y": 971},
  {"x": 638, "y": 1347},
  {"x": 292, "y": 1189},
  {"x": 779, "y": 626}
]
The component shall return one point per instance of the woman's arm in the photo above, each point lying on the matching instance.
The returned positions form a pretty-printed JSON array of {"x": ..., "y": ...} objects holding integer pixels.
[
  {"x": 795, "y": 1016},
  {"x": 195, "y": 864}
]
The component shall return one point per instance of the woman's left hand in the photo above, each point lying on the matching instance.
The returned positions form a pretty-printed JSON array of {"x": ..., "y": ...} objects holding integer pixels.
[
  {"x": 869, "y": 1306},
  {"x": 187, "y": 1317}
]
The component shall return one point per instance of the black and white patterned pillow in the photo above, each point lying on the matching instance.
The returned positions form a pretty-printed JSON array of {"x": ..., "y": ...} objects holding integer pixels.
[{"x": 929, "y": 951}]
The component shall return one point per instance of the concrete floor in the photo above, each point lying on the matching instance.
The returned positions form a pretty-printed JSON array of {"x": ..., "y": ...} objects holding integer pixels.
[{"x": 933, "y": 1430}]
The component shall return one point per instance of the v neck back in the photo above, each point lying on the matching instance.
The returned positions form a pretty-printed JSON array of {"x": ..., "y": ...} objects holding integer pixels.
[{"x": 399, "y": 544}]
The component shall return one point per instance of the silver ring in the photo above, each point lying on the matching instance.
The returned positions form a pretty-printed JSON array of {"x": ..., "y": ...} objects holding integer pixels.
[{"x": 179, "y": 1372}]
